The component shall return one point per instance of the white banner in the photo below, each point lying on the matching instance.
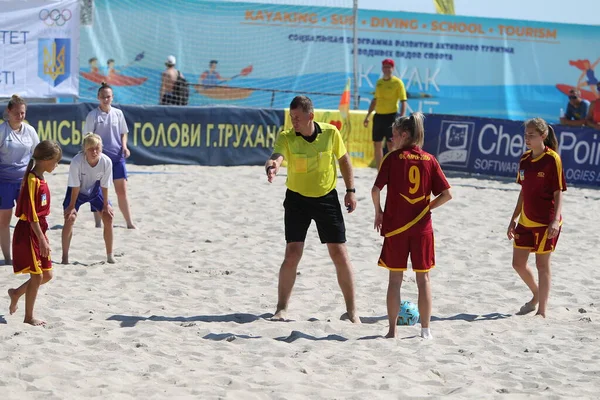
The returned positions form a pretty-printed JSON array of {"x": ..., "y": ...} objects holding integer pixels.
[{"x": 39, "y": 48}]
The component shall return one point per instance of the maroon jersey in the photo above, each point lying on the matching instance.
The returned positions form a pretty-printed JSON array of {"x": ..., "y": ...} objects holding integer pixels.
[
  {"x": 34, "y": 199},
  {"x": 540, "y": 177},
  {"x": 411, "y": 175}
]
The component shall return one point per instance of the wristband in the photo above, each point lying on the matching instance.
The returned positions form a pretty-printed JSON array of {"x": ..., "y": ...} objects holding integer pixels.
[{"x": 353, "y": 190}]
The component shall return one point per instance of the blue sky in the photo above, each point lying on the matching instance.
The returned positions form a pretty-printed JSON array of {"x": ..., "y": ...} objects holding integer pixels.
[{"x": 586, "y": 12}]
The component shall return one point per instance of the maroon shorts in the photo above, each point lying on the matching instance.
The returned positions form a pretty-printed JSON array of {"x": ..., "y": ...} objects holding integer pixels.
[
  {"x": 397, "y": 248},
  {"x": 26, "y": 250},
  {"x": 535, "y": 239}
]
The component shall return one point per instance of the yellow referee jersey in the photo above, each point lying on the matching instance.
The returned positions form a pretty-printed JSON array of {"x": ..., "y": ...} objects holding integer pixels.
[{"x": 311, "y": 166}]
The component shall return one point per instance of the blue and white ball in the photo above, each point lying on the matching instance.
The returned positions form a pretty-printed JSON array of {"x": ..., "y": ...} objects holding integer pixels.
[{"x": 409, "y": 313}]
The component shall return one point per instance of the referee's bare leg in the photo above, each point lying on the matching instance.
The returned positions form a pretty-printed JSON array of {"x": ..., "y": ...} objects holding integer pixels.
[
  {"x": 345, "y": 277},
  {"x": 287, "y": 277}
]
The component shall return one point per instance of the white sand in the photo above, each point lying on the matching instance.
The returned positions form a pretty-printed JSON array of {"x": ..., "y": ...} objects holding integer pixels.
[{"x": 182, "y": 313}]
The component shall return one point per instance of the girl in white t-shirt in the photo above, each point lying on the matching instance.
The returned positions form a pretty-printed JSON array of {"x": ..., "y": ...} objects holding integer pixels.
[
  {"x": 90, "y": 176},
  {"x": 17, "y": 142},
  {"x": 109, "y": 123}
]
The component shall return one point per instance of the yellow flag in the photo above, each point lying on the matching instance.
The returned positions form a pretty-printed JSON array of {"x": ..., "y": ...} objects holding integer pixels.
[
  {"x": 444, "y": 6},
  {"x": 344, "y": 106}
]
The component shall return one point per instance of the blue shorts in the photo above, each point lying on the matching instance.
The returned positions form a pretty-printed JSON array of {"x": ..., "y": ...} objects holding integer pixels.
[
  {"x": 9, "y": 193},
  {"x": 119, "y": 170},
  {"x": 95, "y": 199}
]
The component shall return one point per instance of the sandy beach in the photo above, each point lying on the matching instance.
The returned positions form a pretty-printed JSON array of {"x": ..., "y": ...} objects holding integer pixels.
[{"x": 184, "y": 312}]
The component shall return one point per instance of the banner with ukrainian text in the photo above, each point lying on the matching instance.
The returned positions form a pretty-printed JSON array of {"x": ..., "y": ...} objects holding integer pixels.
[
  {"x": 266, "y": 53},
  {"x": 224, "y": 136},
  {"x": 39, "y": 48}
]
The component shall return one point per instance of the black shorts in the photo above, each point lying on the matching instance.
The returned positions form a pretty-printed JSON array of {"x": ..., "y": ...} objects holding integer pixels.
[
  {"x": 382, "y": 126},
  {"x": 170, "y": 99},
  {"x": 326, "y": 211}
]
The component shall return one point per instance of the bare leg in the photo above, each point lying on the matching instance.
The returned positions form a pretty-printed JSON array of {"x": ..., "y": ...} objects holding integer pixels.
[
  {"x": 107, "y": 220},
  {"x": 5, "y": 216},
  {"x": 519, "y": 262},
  {"x": 343, "y": 268},
  {"x": 287, "y": 277},
  {"x": 15, "y": 294},
  {"x": 98, "y": 218},
  {"x": 67, "y": 234},
  {"x": 378, "y": 147},
  {"x": 121, "y": 190},
  {"x": 393, "y": 301},
  {"x": 424, "y": 285},
  {"x": 30, "y": 296},
  {"x": 542, "y": 262}
]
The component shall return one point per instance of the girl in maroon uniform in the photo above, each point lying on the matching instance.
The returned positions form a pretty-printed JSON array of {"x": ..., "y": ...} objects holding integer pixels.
[
  {"x": 536, "y": 222},
  {"x": 411, "y": 176},
  {"x": 31, "y": 251}
]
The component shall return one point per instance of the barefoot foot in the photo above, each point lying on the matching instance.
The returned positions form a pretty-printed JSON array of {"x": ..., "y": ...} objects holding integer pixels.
[
  {"x": 35, "y": 322},
  {"x": 110, "y": 259},
  {"x": 131, "y": 226},
  {"x": 14, "y": 300},
  {"x": 528, "y": 307},
  {"x": 351, "y": 316},
  {"x": 391, "y": 334},
  {"x": 280, "y": 315}
]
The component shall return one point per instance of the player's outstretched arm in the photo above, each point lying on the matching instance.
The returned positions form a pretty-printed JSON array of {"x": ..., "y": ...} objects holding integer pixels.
[{"x": 272, "y": 166}]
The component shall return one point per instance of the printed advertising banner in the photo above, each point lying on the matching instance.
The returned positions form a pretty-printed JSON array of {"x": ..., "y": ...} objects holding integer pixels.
[
  {"x": 494, "y": 147},
  {"x": 39, "y": 48},
  {"x": 225, "y": 136},
  {"x": 229, "y": 136},
  {"x": 264, "y": 54}
]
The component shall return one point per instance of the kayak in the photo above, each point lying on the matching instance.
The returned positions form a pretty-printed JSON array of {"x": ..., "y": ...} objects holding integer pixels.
[
  {"x": 223, "y": 92},
  {"x": 113, "y": 79}
]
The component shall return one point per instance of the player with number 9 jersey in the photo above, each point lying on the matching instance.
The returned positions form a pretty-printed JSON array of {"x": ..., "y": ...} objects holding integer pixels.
[{"x": 411, "y": 175}]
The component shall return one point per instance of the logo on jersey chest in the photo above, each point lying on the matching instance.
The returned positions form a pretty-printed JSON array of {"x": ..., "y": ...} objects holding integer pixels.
[
  {"x": 44, "y": 199},
  {"x": 540, "y": 174},
  {"x": 522, "y": 174}
]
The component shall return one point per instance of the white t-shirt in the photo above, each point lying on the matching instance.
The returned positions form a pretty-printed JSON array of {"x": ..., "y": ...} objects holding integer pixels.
[
  {"x": 109, "y": 126},
  {"x": 84, "y": 176},
  {"x": 16, "y": 149}
]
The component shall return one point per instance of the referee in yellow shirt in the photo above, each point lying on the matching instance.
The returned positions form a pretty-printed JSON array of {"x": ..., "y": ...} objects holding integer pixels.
[
  {"x": 311, "y": 150},
  {"x": 388, "y": 91}
]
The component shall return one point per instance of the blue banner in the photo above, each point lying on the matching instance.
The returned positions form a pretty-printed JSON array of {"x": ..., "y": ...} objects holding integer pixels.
[
  {"x": 225, "y": 136},
  {"x": 494, "y": 147},
  {"x": 267, "y": 53}
]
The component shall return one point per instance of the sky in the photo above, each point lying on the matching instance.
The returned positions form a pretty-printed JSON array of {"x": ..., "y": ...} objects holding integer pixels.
[{"x": 586, "y": 12}]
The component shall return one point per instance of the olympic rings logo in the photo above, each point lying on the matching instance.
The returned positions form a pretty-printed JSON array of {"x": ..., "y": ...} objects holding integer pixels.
[{"x": 55, "y": 16}]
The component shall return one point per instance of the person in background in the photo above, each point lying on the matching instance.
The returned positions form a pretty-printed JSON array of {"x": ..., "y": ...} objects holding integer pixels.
[
  {"x": 17, "y": 142},
  {"x": 109, "y": 123},
  {"x": 168, "y": 78},
  {"x": 389, "y": 91},
  {"x": 593, "y": 115},
  {"x": 577, "y": 110}
]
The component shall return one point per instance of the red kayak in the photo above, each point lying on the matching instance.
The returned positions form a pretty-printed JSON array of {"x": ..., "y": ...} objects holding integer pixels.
[{"x": 113, "y": 79}]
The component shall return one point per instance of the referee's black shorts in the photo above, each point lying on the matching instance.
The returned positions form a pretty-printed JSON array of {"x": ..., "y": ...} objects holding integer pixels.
[
  {"x": 326, "y": 211},
  {"x": 382, "y": 126}
]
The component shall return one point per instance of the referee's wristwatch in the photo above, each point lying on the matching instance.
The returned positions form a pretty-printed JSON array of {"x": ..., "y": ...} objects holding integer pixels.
[{"x": 353, "y": 190}]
